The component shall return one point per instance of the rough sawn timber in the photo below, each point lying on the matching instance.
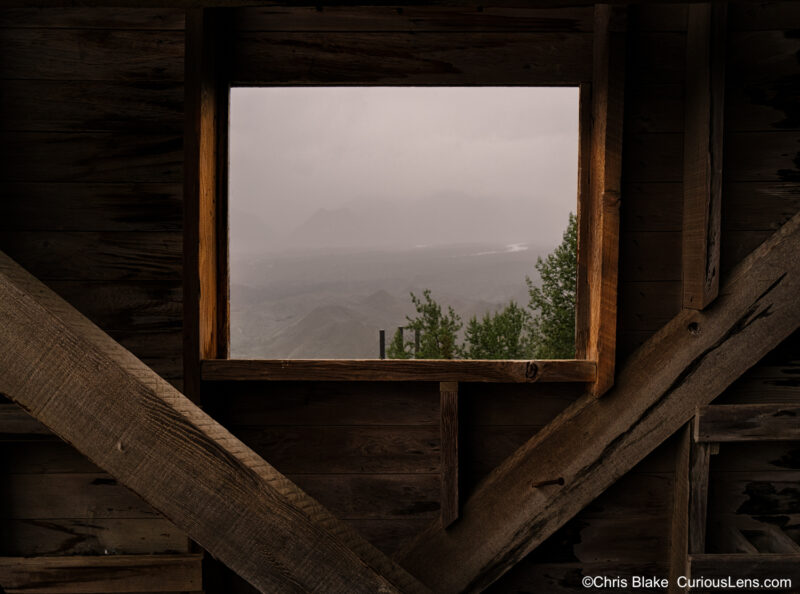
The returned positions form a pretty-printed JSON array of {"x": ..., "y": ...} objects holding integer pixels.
[
  {"x": 594, "y": 442},
  {"x": 98, "y": 397}
]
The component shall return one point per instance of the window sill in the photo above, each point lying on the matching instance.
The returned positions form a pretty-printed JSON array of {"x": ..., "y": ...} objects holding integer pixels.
[{"x": 427, "y": 370}]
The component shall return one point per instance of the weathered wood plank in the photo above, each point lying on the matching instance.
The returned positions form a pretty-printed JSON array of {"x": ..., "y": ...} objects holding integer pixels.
[
  {"x": 34, "y": 206},
  {"x": 91, "y": 157},
  {"x": 681, "y": 493},
  {"x": 771, "y": 539},
  {"x": 413, "y": 18},
  {"x": 314, "y": 450},
  {"x": 66, "y": 371},
  {"x": 758, "y": 205},
  {"x": 78, "y": 255},
  {"x": 648, "y": 305},
  {"x": 92, "y": 106},
  {"x": 418, "y": 370},
  {"x": 729, "y": 539},
  {"x": 412, "y": 59},
  {"x": 97, "y": 17},
  {"x": 748, "y": 422},
  {"x": 583, "y": 215},
  {"x": 66, "y": 495},
  {"x": 101, "y": 574},
  {"x": 449, "y": 427},
  {"x": 608, "y": 96},
  {"x": 90, "y": 536},
  {"x": 91, "y": 54},
  {"x": 686, "y": 364},
  {"x": 702, "y": 153},
  {"x": 699, "y": 461}
]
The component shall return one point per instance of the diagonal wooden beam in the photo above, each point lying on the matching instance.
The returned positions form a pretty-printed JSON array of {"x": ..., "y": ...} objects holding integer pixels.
[
  {"x": 97, "y": 396},
  {"x": 689, "y": 362}
]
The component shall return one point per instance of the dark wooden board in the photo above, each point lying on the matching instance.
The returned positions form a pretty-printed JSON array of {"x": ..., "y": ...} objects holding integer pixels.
[
  {"x": 102, "y": 574},
  {"x": 92, "y": 106},
  {"x": 90, "y": 536},
  {"x": 91, "y": 157},
  {"x": 77, "y": 255},
  {"x": 412, "y": 18},
  {"x": 113, "y": 207},
  {"x": 753, "y": 567},
  {"x": 97, "y": 17},
  {"x": 652, "y": 206},
  {"x": 418, "y": 370},
  {"x": 412, "y": 59},
  {"x": 748, "y": 422},
  {"x": 64, "y": 495},
  {"x": 648, "y": 257},
  {"x": 648, "y": 305},
  {"x": 91, "y": 54}
]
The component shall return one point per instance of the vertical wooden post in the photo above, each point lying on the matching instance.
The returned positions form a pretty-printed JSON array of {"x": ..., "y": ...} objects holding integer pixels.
[
  {"x": 702, "y": 152},
  {"x": 699, "y": 466},
  {"x": 679, "y": 538},
  {"x": 382, "y": 344},
  {"x": 206, "y": 100},
  {"x": 448, "y": 399},
  {"x": 608, "y": 94},
  {"x": 582, "y": 315}
]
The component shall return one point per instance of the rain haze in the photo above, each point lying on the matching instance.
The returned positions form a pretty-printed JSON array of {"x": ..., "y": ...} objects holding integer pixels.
[{"x": 343, "y": 200}]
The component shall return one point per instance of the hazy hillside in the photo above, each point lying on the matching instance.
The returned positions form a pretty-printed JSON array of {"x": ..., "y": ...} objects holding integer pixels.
[{"x": 330, "y": 303}]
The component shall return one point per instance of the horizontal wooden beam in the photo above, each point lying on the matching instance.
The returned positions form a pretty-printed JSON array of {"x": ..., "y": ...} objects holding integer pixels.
[
  {"x": 748, "y": 422},
  {"x": 744, "y": 566},
  {"x": 565, "y": 466},
  {"x": 97, "y": 396},
  {"x": 237, "y": 3},
  {"x": 399, "y": 370},
  {"x": 101, "y": 574}
]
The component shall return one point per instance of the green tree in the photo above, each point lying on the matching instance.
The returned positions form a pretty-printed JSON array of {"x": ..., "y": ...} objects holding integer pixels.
[
  {"x": 552, "y": 328},
  {"x": 500, "y": 335},
  {"x": 438, "y": 331}
]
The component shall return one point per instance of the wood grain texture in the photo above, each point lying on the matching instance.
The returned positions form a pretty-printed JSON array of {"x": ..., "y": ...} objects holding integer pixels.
[
  {"x": 679, "y": 533},
  {"x": 699, "y": 461},
  {"x": 90, "y": 54},
  {"x": 15, "y": 421},
  {"x": 583, "y": 214},
  {"x": 686, "y": 364},
  {"x": 96, "y": 207},
  {"x": 421, "y": 58},
  {"x": 97, "y": 17},
  {"x": 449, "y": 427},
  {"x": 419, "y": 370},
  {"x": 702, "y": 153},
  {"x": 748, "y": 422},
  {"x": 90, "y": 536},
  {"x": 101, "y": 574},
  {"x": 608, "y": 97},
  {"x": 92, "y": 106},
  {"x": 413, "y": 18},
  {"x": 91, "y": 157},
  {"x": 64, "y": 371}
]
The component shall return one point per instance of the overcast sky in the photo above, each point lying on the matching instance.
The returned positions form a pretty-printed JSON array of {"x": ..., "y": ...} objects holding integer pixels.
[{"x": 506, "y": 156}]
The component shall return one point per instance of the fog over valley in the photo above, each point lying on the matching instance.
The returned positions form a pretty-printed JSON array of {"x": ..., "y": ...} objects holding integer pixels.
[{"x": 345, "y": 200}]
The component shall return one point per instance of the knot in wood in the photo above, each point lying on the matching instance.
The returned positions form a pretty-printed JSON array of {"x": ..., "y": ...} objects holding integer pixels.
[{"x": 531, "y": 371}]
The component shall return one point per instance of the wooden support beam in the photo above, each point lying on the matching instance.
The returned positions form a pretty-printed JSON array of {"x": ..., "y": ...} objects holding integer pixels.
[
  {"x": 448, "y": 399},
  {"x": 679, "y": 533},
  {"x": 699, "y": 465},
  {"x": 702, "y": 152},
  {"x": 101, "y": 574},
  {"x": 730, "y": 539},
  {"x": 399, "y": 370},
  {"x": 97, "y": 396},
  {"x": 687, "y": 364},
  {"x": 768, "y": 538},
  {"x": 748, "y": 422},
  {"x": 206, "y": 101},
  {"x": 602, "y": 249}
]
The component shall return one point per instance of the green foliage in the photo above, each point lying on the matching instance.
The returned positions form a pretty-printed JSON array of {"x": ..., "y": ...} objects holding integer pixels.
[
  {"x": 438, "y": 332},
  {"x": 501, "y": 335},
  {"x": 543, "y": 330},
  {"x": 552, "y": 329}
]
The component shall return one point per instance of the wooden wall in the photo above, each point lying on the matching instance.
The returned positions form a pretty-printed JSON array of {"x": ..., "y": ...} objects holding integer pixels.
[
  {"x": 91, "y": 182},
  {"x": 91, "y": 124}
]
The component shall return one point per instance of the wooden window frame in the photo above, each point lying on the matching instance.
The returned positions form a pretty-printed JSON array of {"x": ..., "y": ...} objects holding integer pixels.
[{"x": 210, "y": 73}]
